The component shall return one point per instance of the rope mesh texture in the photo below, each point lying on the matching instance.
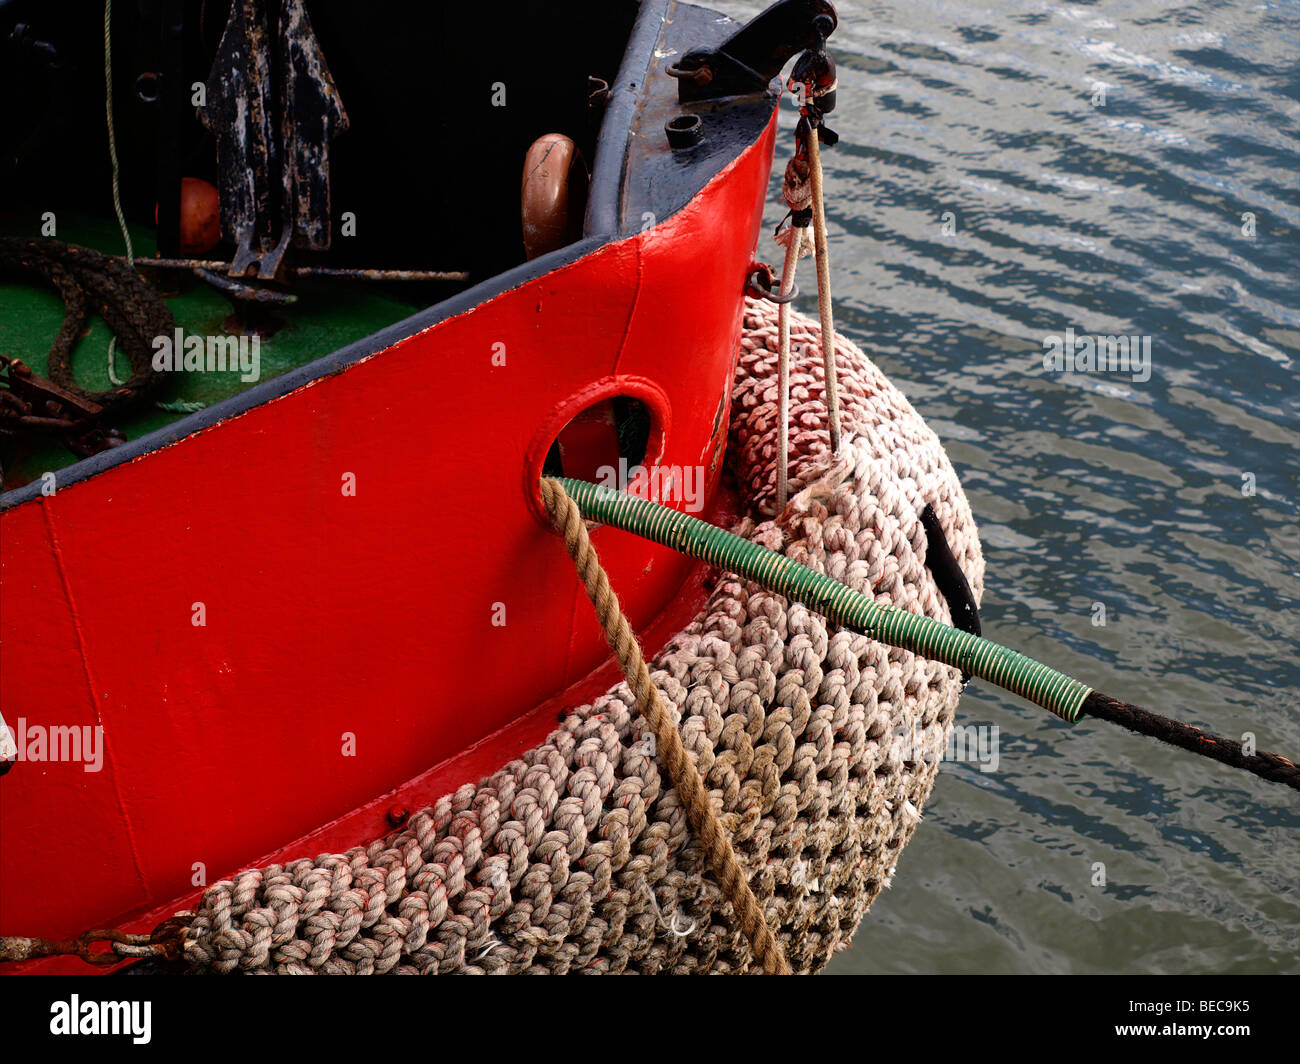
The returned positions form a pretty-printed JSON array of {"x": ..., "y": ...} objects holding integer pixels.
[
  {"x": 567, "y": 519},
  {"x": 818, "y": 749}
]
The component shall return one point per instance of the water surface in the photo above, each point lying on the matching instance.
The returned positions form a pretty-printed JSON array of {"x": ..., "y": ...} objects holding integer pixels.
[{"x": 1007, "y": 172}]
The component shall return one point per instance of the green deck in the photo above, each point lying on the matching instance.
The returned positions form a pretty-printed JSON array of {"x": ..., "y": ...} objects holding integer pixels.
[{"x": 327, "y": 315}]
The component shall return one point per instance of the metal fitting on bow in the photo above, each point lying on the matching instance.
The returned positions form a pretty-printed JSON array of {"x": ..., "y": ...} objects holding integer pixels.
[{"x": 813, "y": 83}]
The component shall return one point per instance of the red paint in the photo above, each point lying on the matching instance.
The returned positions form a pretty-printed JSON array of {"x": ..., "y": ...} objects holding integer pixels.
[
  {"x": 327, "y": 614},
  {"x": 371, "y": 821}
]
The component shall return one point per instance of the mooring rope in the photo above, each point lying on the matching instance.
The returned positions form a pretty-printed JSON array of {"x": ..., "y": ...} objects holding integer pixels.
[
  {"x": 813, "y": 82},
  {"x": 567, "y": 518},
  {"x": 824, "y": 307},
  {"x": 1272, "y": 767},
  {"x": 1009, "y": 669},
  {"x": 794, "y": 245}
]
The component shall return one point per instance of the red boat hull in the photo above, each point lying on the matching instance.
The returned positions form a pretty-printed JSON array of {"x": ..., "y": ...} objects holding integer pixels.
[{"x": 348, "y": 641}]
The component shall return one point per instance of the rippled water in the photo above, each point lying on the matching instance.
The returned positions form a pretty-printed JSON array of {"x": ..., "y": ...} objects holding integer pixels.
[{"x": 1102, "y": 165}]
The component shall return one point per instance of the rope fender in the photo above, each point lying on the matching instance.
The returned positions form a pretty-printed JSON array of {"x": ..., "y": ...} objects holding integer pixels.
[
  {"x": 567, "y": 518},
  {"x": 817, "y": 749}
]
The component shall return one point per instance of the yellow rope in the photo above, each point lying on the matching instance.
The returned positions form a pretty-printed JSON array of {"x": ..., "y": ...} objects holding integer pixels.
[
  {"x": 112, "y": 155},
  {"x": 695, "y": 798},
  {"x": 824, "y": 286}
]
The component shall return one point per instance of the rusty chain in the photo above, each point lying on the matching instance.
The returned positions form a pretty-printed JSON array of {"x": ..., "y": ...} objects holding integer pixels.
[{"x": 165, "y": 943}]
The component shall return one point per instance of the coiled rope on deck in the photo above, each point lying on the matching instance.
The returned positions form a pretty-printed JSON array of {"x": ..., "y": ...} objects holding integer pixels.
[
  {"x": 89, "y": 282},
  {"x": 567, "y": 518},
  {"x": 1009, "y": 669}
]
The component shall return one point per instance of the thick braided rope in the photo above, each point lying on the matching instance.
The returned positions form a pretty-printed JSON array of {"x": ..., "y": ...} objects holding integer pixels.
[
  {"x": 1269, "y": 766},
  {"x": 824, "y": 302},
  {"x": 91, "y": 282},
  {"x": 699, "y": 808},
  {"x": 818, "y": 748}
]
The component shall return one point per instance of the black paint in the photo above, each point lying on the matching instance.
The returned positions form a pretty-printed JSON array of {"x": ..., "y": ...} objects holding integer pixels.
[{"x": 949, "y": 578}]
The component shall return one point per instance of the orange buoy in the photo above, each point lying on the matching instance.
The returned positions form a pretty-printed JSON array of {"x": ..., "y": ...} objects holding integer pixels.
[{"x": 200, "y": 229}]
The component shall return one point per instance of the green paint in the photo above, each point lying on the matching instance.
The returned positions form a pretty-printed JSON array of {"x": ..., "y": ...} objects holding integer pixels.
[{"x": 327, "y": 316}]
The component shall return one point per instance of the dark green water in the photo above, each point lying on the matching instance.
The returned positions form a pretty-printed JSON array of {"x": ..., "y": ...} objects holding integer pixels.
[{"x": 1102, "y": 164}]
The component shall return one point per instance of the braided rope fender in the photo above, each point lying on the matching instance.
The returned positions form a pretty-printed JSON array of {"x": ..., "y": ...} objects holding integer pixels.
[{"x": 819, "y": 748}]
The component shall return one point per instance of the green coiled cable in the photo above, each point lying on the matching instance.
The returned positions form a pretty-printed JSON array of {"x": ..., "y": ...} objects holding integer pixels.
[{"x": 929, "y": 638}]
